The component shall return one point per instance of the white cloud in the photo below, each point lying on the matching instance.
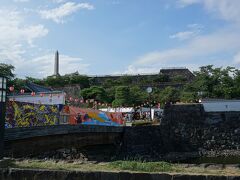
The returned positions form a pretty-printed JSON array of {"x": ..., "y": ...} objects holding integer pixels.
[
  {"x": 14, "y": 33},
  {"x": 58, "y": 14},
  {"x": 58, "y": 1},
  {"x": 199, "y": 50},
  {"x": 236, "y": 58},
  {"x": 16, "y": 37},
  {"x": 194, "y": 53},
  {"x": 42, "y": 66},
  {"x": 183, "y": 35},
  {"x": 183, "y": 3},
  {"x": 224, "y": 9},
  {"x": 21, "y": 0},
  {"x": 193, "y": 31}
]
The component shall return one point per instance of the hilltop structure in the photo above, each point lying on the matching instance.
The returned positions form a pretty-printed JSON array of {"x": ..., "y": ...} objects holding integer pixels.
[{"x": 175, "y": 77}]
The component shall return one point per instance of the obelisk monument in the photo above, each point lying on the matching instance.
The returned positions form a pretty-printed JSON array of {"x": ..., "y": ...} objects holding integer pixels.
[{"x": 56, "y": 64}]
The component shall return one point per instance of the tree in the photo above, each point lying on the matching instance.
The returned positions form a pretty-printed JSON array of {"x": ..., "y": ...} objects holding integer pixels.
[
  {"x": 122, "y": 96},
  {"x": 18, "y": 84},
  {"x": 169, "y": 94},
  {"x": 35, "y": 80},
  {"x": 137, "y": 95},
  {"x": 161, "y": 78},
  {"x": 215, "y": 82},
  {"x": 125, "y": 80},
  {"x": 188, "y": 97},
  {"x": 108, "y": 83},
  {"x": 6, "y": 70},
  {"x": 95, "y": 92},
  {"x": 179, "y": 79},
  {"x": 54, "y": 81}
]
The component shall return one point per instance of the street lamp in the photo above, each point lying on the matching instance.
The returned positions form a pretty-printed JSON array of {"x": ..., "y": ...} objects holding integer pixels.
[
  {"x": 149, "y": 91},
  {"x": 3, "y": 87}
]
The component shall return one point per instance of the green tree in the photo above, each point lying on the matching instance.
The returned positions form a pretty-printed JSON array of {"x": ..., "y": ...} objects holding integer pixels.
[
  {"x": 214, "y": 82},
  {"x": 125, "y": 80},
  {"x": 188, "y": 97},
  {"x": 161, "y": 78},
  {"x": 137, "y": 95},
  {"x": 18, "y": 84},
  {"x": 169, "y": 94},
  {"x": 95, "y": 92},
  {"x": 179, "y": 79},
  {"x": 54, "y": 81},
  {"x": 108, "y": 83},
  {"x": 6, "y": 70},
  {"x": 122, "y": 96}
]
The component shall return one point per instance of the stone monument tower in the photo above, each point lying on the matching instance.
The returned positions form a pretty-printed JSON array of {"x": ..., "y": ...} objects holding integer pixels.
[{"x": 56, "y": 64}]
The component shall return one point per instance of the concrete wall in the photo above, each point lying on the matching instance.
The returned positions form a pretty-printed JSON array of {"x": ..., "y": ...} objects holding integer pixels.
[
  {"x": 37, "y": 140},
  {"x": 29, "y": 174}
]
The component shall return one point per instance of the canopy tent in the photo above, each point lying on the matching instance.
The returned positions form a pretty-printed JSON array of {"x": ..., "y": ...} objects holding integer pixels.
[{"x": 120, "y": 109}]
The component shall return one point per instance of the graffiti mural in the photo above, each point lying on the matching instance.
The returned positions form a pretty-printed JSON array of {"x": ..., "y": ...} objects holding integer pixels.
[
  {"x": 19, "y": 114},
  {"x": 93, "y": 117}
]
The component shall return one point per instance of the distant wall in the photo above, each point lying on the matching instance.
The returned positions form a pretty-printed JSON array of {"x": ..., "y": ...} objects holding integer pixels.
[{"x": 136, "y": 79}]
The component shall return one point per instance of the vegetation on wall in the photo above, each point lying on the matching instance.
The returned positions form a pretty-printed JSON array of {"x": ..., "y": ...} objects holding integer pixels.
[{"x": 209, "y": 82}]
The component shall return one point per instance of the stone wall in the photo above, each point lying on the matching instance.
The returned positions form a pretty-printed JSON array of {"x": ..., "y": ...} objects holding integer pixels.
[
  {"x": 195, "y": 130},
  {"x": 71, "y": 90},
  {"x": 186, "y": 132},
  {"x": 136, "y": 79}
]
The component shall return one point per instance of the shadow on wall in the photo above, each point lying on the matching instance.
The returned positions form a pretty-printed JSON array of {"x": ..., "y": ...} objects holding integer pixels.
[{"x": 19, "y": 114}]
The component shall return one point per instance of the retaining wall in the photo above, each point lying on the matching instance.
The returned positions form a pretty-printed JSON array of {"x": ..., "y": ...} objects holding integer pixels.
[
  {"x": 186, "y": 131},
  {"x": 29, "y": 174},
  {"x": 37, "y": 140}
]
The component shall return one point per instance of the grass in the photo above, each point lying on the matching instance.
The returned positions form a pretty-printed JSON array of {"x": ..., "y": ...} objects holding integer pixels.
[
  {"x": 116, "y": 166},
  {"x": 142, "y": 166},
  {"x": 142, "y": 123}
]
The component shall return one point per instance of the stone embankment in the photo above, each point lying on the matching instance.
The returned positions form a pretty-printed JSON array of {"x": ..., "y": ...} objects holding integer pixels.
[{"x": 186, "y": 131}]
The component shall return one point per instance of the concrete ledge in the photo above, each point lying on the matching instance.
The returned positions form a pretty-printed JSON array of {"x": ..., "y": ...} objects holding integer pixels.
[
  {"x": 29, "y": 174},
  {"x": 29, "y": 132}
]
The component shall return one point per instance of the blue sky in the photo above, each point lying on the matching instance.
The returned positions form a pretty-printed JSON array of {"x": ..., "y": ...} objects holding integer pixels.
[{"x": 118, "y": 36}]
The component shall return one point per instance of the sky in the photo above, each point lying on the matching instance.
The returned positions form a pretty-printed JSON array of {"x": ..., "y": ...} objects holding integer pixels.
[{"x": 100, "y": 37}]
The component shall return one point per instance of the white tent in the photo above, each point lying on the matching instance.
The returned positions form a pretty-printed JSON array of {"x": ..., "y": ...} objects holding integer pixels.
[{"x": 119, "y": 109}]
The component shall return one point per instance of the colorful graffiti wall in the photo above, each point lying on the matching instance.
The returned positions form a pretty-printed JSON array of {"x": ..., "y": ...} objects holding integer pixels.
[
  {"x": 93, "y": 117},
  {"x": 19, "y": 114}
]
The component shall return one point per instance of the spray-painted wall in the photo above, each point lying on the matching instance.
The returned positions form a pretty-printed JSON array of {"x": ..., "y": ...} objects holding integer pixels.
[
  {"x": 19, "y": 114},
  {"x": 93, "y": 117}
]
